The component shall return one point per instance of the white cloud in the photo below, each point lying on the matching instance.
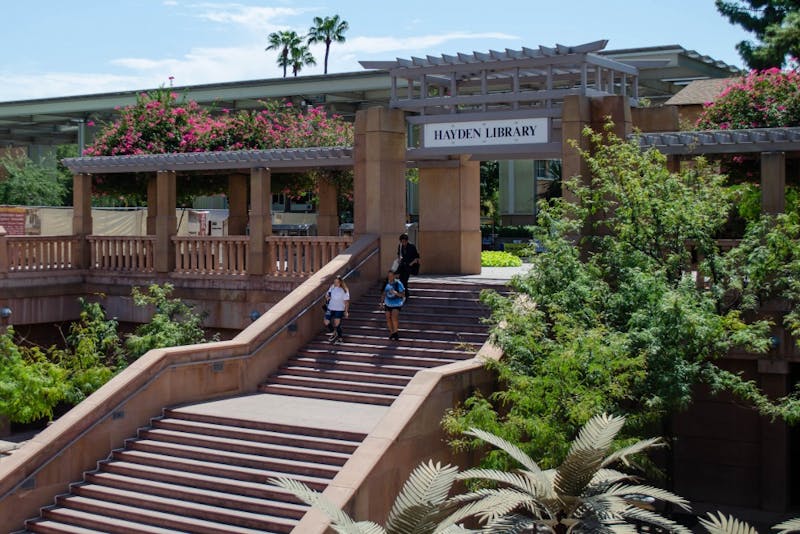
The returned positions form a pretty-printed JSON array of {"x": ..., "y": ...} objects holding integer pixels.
[
  {"x": 253, "y": 18},
  {"x": 54, "y": 84}
]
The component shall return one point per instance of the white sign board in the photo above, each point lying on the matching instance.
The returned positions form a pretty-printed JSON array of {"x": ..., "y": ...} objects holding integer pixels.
[{"x": 480, "y": 133}]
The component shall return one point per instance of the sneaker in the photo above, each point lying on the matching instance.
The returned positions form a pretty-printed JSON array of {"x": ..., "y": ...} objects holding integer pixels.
[
  {"x": 331, "y": 336},
  {"x": 335, "y": 339},
  {"x": 395, "y": 336}
]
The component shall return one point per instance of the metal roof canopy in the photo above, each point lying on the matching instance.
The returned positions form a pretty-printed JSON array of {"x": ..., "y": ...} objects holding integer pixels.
[
  {"x": 282, "y": 159},
  {"x": 722, "y": 141},
  {"x": 510, "y": 84}
]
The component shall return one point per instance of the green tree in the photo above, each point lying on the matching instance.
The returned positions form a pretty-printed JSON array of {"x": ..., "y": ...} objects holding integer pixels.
[
  {"x": 617, "y": 322},
  {"x": 300, "y": 57},
  {"x": 30, "y": 184},
  {"x": 775, "y": 23},
  {"x": 285, "y": 41},
  {"x": 174, "y": 323},
  {"x": 327, "y": 30}
]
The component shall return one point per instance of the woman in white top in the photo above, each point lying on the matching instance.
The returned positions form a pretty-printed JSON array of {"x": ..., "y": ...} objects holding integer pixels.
[{"x": 337, "y": 301}]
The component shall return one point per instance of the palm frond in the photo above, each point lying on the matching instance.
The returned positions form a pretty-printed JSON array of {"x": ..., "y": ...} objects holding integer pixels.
[
  {"x": 513, "y": 524},
  {"x": 317, "y": 500},
  {"x": 793, "y": 525},
  {"x": 362, "y": 527},
  {"x": 623, "y": 490},
  {"x": 533, "y": 483},
  {"x": 607, "y": 477},
  {"x": 722, "y": 524},
  {"x": 587, "y": 453},
  {"x": 425, "y": 490},
  {"x": 622, "y": 454},
  {"x": 652, "y": 518},
  {"x": 510, "y": 449}
]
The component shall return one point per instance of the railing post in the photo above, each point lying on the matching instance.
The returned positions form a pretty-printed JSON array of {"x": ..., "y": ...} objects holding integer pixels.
[
  {"x": 166, "y": 221},
  {"x": 3, "y": 252}
]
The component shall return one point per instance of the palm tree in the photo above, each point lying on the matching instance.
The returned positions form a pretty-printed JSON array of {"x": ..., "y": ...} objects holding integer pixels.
[
  {"x": 582, "y": 495},
  {"x": 285, "y": 41},
  {"x": 326, "y": 31},
  {"x": 422, "y": 506},
  {"x": 300, "y": 57}
]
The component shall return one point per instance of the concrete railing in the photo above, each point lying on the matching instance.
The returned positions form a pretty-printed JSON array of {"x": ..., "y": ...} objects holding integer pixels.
[
  {"x": 211, "y": 255},
  {"x": 121, "y": 253},
  {"x": 301, "y": 255},
  {"x": 37, "y": 253},
  {"x": 73, "y": 444},
  {"x": 410, "y": 433}
]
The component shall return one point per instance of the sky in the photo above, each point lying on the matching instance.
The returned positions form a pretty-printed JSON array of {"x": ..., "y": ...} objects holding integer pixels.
[{"x": 57, "y": 48}]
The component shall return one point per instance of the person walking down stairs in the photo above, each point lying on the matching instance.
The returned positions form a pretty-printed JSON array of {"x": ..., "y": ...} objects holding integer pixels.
[
  {"x": 394, "y": 294},
  {"x": 337, "y": 300}
]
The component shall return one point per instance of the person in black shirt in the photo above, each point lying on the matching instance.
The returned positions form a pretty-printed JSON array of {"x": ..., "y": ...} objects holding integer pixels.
[{"x": 408, "y": 257}]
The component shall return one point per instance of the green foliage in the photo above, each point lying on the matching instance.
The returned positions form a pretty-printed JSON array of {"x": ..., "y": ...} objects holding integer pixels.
[
  {"x": 493, "y": 258},
  {"x": 174, "y": 323},
  {"x": 616, "y": 322},
  {"x": 30, "y": 184},
  {"x": 30, "y": 385},
  {"x": 774, "y": 22},
  {"x": 520, "y": 250}
]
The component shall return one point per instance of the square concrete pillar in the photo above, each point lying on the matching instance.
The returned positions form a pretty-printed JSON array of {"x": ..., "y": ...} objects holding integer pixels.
[
  {"x": 773, "y": 182},
  {"x": 380, "y": 178},
  {"x": 576, "y": 115},
  {"x": 258, "y": 262},
  {"x": 152, "y": 204},
  {"x": 166, "y": 221},
  {"x": 449, "y": 236},
  {"x": 328, "y": 207},
  {"x": 774, "y": 381},
  {"x": 82, "y": 217},
  {"x": 237, "y": 204}
]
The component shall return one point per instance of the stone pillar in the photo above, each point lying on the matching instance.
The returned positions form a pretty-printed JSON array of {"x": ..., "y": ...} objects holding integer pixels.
[
  {"x": 152, "y": 207},
  {"x": 166, "y": 221},
  {"x": 82, "y": 217},
  {"x": 237, "y": 204},
  {"x": 449, "y": 218},
  {"x": 773, "y": 379},
  {"x": 575, "y": 116},
  {"x": 674, "y": 164},
  {"x": 328, "y": 208},
  {"x": 773, "y": 182},
  {"x": 3, "y": 252},
  {"x": 258, "y": 260},
  {"x": 379, "y": 186}
]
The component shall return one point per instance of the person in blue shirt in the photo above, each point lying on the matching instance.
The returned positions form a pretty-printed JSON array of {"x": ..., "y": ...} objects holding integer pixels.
[{"x": 394, "y": 295}]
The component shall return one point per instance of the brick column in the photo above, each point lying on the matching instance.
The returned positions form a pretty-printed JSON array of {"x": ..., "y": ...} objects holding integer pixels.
[
  {"x": 328, "y": 208},
  {"x": 773, "y": 182},
  {"x": 773, "y": 379},
  {"x": 575, "y": 116},
  {"x": 3, "y": 252},
  {"x": 237, "y": 204},
  {"x": 258, "y": 260},
  {"x": 82, "y": 217},
  {"x": 166, "y": 221},
  {"x": 449, "y": 218},
  {"x": 379, "y": 186}
]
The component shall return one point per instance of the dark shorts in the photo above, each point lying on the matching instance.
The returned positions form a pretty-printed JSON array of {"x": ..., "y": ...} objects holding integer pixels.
[
  {"x": 335, "y": 314},
  {"x": 390, "y": 308}
]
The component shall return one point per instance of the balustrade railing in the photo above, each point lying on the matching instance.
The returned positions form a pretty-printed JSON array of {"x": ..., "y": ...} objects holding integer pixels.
[
  {"x": 303, "y": 255},
  {"x": 211, "y": 255},
  {"x": 41, "y": 253},
  {"x": 122, "y": 253}
]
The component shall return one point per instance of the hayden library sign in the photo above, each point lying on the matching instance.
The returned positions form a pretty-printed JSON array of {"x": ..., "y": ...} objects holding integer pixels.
[{"x": 485, "y": 133}]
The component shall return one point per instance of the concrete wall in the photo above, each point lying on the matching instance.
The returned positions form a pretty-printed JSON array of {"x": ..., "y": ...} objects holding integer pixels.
[{"x": 168, "y": 377}]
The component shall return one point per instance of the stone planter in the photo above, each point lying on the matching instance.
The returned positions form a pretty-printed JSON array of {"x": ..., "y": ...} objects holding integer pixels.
[{"x": 5, "y": 426}]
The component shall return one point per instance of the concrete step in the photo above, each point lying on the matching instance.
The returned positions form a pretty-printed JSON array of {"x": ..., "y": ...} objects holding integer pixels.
[
  {"x": 56, "y": 527},
  {"x": 364, "y": 385},
  {"x": 333, "y": 364},
  {"x": 346, "y": 375},
  {"x": 255, "y": 435},
  {"x": 95, "y": 522},
  {"x": 376, "y": 331},
  {"x": 244, "y": 480},
  {"x": 355, "y": 338},
  {"x": 186, "y": 414},
  {"x": 165, "y": 520},
  {"x": 421, "y": 362},
  {"x": 330, "y": 394},
  {"x": 416, "y": 322},
  {"x": 242, "y": 446},
  {"x": 233, "y": 458}
]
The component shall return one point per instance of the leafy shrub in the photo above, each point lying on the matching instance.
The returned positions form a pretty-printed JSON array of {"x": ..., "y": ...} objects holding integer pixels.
[{"x": 493, "y": 258}]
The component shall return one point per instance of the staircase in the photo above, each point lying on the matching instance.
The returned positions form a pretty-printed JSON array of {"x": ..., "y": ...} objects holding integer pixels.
[{"x": 195, "y": 471}]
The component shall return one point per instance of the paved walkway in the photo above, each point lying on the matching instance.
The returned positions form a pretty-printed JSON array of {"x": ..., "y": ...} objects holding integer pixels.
[{"x": 273, "y": 408}]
